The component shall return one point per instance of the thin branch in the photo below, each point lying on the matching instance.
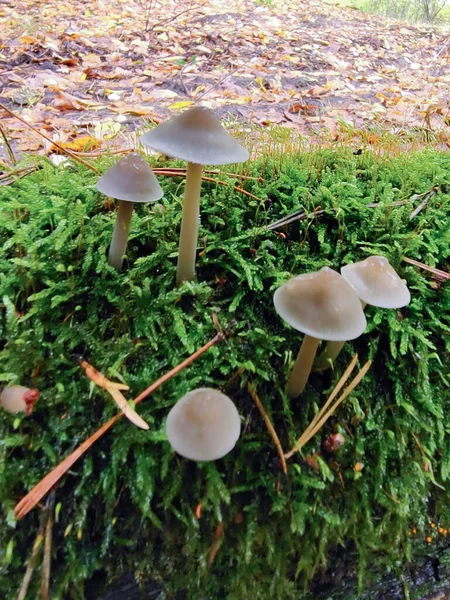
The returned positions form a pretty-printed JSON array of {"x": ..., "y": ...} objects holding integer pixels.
[
  {"x": 47, "y": 558},
  {"x": 271, "y": 429},
  {"x": 56, "y": 144},
  {"x": 31, "y": 564},
  {"x": 29, "y": 501}
]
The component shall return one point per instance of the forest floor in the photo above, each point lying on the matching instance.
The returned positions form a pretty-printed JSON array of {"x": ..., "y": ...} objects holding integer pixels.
[{"x": 99, "y": 69}]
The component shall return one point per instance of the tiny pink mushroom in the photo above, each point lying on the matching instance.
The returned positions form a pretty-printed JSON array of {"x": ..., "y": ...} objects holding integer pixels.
[{"x": 17, "y": 398}]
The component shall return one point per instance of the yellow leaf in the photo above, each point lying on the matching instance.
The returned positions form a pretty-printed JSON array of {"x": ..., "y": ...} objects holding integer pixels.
[
  {"x": 82, "y": 144},
  {"x": 179, "y": 105}
]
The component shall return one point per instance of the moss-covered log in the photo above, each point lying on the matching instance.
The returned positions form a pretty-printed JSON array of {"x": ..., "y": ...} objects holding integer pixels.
[{"x": 237, "y": 528}]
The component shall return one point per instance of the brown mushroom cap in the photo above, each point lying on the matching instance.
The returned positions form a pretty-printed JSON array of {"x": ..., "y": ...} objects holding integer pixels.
[
  {"x": 196, "y": 136},
  {"x": 203, "y": 425},
  {"x": 377, "y": 283},
  {"x": 322, "y": 305},
  {"x": 130, "y": 179}
]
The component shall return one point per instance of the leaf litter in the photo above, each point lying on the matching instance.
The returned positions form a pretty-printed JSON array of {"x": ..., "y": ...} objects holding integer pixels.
[{"x": 307, "y": 66}]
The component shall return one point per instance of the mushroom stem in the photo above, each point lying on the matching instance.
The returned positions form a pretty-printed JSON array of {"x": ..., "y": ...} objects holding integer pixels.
[
  {"x": 189, "y": 224},
  {"x": 120, "y": 235},
  {"x": 331, "y": 352},
  {"x": 302, "y": 367}
]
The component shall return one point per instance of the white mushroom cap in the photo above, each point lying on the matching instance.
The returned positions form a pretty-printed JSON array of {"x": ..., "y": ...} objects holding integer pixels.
[
  {"x": 322, "y": 305},
  {"x": 203, "y": 425},
  {"x": 196, "y": 136},
  {"x": 130, "y": 179},
  {"x": 17, "y": 398},
  {"x": 377, "y": 283}
]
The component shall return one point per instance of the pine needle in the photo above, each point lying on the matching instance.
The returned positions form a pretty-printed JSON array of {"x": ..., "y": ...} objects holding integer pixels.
[{"x": 271, "y": 429}]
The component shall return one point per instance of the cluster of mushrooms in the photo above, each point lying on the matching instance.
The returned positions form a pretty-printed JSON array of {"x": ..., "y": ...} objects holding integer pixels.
[{"x": 204, "y": 424}]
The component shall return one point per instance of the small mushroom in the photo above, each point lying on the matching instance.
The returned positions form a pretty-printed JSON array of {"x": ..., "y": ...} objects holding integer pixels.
[
  {"x": 203, "y": 425},
  {"x": 17, "y": 398},
  {"x": 323, "y": 306},
  {"x": 377, "y": 283},
  {"x": 130, "y": 180},
  {"x": 197, "y": 137}
]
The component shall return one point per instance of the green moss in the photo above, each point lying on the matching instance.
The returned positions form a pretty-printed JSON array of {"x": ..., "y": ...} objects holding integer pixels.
[{"x": 129, "y": 503}]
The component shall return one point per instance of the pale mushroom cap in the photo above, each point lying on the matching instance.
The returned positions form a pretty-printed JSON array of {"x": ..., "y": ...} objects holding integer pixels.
[
  {"x": 130, "y": 179},
  {"x": 377, "y": 283},
  {"x": 196, "y": 136},
  {"x": 12, "y": 398},
  {"x": 322, "y": 305},
  {"x": 203, "y": 425}
]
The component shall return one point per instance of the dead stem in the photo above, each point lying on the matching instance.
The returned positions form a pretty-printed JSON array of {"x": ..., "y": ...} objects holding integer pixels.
[
  {"x": 43, "y": 526},
  {"x": 31, "y": 564},
  {"x": 313, "y": 429},
  {"x": 8, "y": 145},
  {"x": 47, "y": 558},
  {"x": 29, "y": 501},
  {"x": 56, "y": 144},
  {"x": 273, "y": 434}
]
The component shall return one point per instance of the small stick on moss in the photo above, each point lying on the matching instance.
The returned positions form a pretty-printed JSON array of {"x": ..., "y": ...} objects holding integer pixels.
[
  {"x": 313, "y": 429},
  {"x": 437, "y": 272},
  {"x": 47, "y": 558},
  {"x": 29, "y": 501},
  {"x": 56, "y": 144},
  {"x": 273, "y": 434},
  {"x": 31, "y": 564},
  {"x": 8, "y": 146},
  {"x": 40, "y": 537}
]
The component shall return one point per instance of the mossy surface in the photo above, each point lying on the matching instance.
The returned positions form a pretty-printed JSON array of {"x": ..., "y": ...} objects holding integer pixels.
[{"x": 129, "y": 503}]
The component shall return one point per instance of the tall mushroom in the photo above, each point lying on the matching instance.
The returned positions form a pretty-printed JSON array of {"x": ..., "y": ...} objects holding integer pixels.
[
  {"x": 130, "y": 180},
  {"x": 197, "y": 137},
  {"x": 203, "y": 425},
  {"x": 377, "y": 283},
  {"x": 323, "y": 306}
]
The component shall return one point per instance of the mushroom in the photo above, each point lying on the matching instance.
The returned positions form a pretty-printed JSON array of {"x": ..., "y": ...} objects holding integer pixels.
[
  {"x": 198, "y": 137},
  {"x": 17, "y": 398},
  {"x": 130, "y": 180},
  {"x": 203, "y": 425},
  {"x": 323, "y": 306},
  {"x": 377, "y": 283}
]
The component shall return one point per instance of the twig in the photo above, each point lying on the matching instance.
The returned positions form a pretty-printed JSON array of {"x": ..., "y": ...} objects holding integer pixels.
[
  {"x": 177, "y": 173},
  {"x": 47, "y": 558},
  {"x": 311, "y": 431},
  {"x": 298, "y": 215},
  {"x": 43, "y": 525},
  {"x": 271, "y": 429},
  {"x": 31, "y": 564},
  {"x": 56, "y": 144},
  {"x": 7, "y": 144},
  {"x": 173, "y": 17},
  {"x": 422, "y": 205},
  {"x": 437, "y": 272},
  {"x": 14, "y": 176},
  {"x": 29, "y": 501}
]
